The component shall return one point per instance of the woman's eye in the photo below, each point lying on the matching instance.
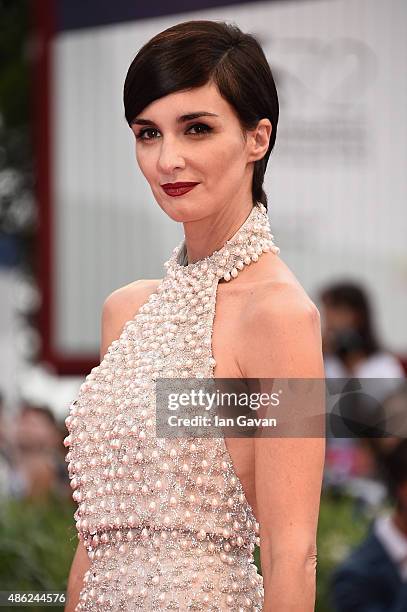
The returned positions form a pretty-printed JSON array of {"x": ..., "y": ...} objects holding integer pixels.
[
  {"x": 142, "y": 132},
  {"x": 203, "y": 129}
]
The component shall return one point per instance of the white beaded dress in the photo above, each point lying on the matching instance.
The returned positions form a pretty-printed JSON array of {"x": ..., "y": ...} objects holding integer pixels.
[{"x": 166, "y": 522}]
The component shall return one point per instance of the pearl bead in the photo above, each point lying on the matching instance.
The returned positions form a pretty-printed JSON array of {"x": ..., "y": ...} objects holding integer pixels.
[{"x": 201, "y": 534}]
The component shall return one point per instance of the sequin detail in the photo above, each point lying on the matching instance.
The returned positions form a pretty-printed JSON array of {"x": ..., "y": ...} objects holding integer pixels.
[{"x": 166, "y": 522}]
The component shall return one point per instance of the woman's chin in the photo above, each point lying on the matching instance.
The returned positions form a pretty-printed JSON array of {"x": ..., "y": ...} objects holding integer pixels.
[{"x": 181, "y": 211}]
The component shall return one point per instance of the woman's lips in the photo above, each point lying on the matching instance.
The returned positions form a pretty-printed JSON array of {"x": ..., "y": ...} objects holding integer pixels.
[{"x": 178, "y": 191}]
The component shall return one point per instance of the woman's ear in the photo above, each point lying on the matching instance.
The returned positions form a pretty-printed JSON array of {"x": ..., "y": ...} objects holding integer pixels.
[{"x": 259, "y": 140}]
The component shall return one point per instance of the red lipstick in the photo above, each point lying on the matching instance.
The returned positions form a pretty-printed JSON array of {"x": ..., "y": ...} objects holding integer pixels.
[{"x": 178, "y": 189}]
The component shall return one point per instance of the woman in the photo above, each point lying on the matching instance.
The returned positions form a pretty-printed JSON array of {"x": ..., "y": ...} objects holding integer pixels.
[{"x": 171, "y": 524}]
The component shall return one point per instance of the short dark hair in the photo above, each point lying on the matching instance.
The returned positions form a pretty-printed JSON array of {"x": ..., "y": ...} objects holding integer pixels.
[
  {"x": 354, "y": 296},
  {"x": 194, "y": 53}
]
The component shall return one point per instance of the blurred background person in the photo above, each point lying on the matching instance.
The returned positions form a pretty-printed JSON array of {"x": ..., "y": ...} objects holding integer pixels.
[
  {"x": 350, "y": 340},
  {"x": 352, "y": 349},
  {"x": 373, "y": 578},
  {"x": 38, "y": 458}
]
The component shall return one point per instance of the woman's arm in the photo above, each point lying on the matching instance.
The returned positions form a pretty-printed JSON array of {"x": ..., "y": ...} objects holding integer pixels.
[
  {"x": 285, "y": 342},
  {"x": 79, "y": 567}
]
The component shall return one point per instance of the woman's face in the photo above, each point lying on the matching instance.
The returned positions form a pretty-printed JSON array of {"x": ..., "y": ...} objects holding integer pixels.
[{"x": 210, "y": 150}]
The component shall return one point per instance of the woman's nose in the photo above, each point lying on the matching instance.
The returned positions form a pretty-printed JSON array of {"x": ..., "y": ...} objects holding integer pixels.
[{"x": 170, "y": 157}]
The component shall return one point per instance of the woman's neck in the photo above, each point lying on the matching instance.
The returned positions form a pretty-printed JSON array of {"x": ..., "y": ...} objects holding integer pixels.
[{"x": 204, "y": 237}]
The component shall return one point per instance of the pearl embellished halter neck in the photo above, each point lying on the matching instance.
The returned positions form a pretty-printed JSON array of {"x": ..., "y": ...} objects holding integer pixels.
[
  {"x": 251, "y": 239},
  {"x": 166, "y": 522}
]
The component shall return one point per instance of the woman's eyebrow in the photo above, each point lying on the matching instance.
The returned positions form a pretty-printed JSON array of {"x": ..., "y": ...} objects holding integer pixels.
[{"x": 180, "y": 119}]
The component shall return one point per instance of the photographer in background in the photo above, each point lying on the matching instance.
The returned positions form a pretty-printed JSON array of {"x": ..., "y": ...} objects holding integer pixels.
[
  {"x": 350, "y": 344},
  {"x": 352, "y": 350}
]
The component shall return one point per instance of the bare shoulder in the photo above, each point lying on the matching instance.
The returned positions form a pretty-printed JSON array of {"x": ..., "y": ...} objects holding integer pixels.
[
  {"x": 279, "y": 301},
  {"x": 281, "y": 331},
  {"x": 276, "y": 294},
  {"x": 122, "y": 305},
  {"x": 127, "y": 300}
]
